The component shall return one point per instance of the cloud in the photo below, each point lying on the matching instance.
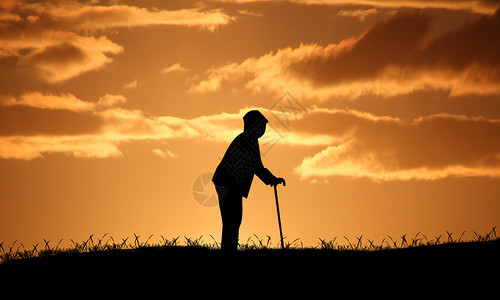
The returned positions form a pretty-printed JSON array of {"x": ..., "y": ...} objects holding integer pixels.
[
  {"x": 85, "y": 17},
  {"x": 177, "y": 67},
  {"x": 265, "y": 72},
  {"x": 35, "y": 123},
  {"x": 332, "y": 162},
  {"x": 77, "y": 16},
  {"x": 393, "y": 57},
  {"x": 477, "y": 6},
  {"x": 109, "y": 100},
  {"x": 64, "y": 61},
  {"x": 61, "y": 102},
  {"x": 384, "y": 148},
  {"x": 18, "y": 121},
  {"x": 246, "y": 12},
  {"x": 386, "y": 44},
  {"x": 35, "y": 146},
  {"x": 361, "y": 14},
  {"x": 164, "y": 154},
  {"x": 133, "y": 84},
  {"x": 401, "y": 51},
  {"x": 56, "y": 39},
  {"x": 355, "y": 144}
]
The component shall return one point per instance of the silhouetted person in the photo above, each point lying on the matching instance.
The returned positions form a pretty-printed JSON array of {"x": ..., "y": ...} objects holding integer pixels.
[{"x": 233, "y": 176}]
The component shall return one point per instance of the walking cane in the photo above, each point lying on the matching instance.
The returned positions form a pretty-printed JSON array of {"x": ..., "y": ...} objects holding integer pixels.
[{"x": 279, "y": 218}]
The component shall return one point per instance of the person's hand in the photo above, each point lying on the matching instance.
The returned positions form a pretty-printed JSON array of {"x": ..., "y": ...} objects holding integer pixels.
[{"x": 278, "y": 181}]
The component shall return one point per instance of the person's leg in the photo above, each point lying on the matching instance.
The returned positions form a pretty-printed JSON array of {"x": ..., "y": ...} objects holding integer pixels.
[
  {"x": 231, "y": 210},
  {"x": 234, "y": 223}
]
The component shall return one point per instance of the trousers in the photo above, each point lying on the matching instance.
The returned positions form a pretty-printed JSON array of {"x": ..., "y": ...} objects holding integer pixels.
[{"x": 231, "y": 211}]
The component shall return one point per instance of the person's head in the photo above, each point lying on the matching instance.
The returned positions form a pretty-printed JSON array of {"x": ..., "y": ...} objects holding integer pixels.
[{"x": 254, "y": 123}]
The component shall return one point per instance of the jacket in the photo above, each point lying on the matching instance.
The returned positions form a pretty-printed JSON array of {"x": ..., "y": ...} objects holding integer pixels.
[{"x": 240, "y": 163}]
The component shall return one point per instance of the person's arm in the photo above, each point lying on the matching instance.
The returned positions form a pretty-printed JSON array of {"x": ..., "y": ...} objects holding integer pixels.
[
  {"x": 267, "y": 177},
  {"x": 264, "y": 174}
]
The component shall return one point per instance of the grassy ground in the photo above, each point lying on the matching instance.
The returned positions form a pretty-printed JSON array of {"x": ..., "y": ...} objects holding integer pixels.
[
  {"x": 441, "y": 266},
  {"x": 107, "y": 250}
]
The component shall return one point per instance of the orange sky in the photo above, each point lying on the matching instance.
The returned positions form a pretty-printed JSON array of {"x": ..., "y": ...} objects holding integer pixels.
[{"x": 384, "y": 116}]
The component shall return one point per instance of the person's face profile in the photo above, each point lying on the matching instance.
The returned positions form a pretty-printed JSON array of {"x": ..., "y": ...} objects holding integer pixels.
[{"x": 261, "y": 130}]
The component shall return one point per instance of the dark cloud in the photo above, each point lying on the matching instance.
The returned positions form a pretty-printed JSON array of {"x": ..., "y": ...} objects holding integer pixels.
[
  {"x": 476, "y": 43},
  {"x": 62, "y": 54},
  {"x": 29, "y": 121},
  {"x": 385, "y": 44},
  {"x": 434, "y": 142},
  {"x": 383, "y": 146},
  {"x": 403, "y": 46}
]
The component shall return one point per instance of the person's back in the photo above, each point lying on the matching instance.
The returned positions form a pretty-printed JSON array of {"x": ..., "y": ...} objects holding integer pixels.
[{"x": 234, "y": 175}]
